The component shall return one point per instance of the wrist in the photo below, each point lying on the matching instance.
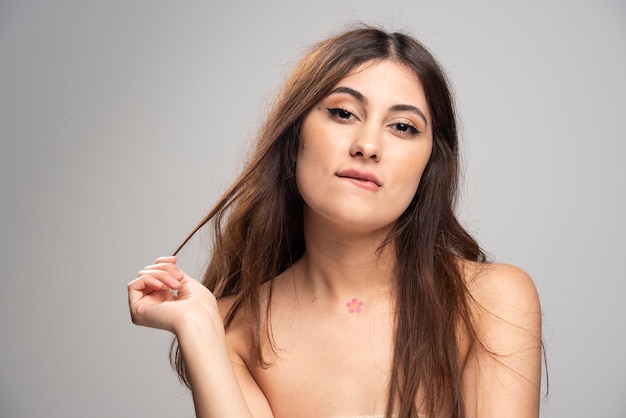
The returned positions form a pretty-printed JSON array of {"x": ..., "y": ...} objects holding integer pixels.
[{"x": 200, "y": 327}]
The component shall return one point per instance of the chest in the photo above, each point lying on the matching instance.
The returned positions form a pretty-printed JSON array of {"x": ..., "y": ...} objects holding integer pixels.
[{"x": 331, "y": 365}]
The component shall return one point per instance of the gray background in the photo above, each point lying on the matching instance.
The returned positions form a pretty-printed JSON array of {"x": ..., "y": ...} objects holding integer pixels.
[{"x": 121, "y": 121}]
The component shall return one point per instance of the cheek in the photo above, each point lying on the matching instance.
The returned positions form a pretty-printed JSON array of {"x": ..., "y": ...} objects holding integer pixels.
[
  {"x": 307, "y": 162},
  {"x": 313, "y": 158},
  {"x": 406, "y": 196},
  {"x": 410, "y": 163},
  {"x": 411, "y": 176}
]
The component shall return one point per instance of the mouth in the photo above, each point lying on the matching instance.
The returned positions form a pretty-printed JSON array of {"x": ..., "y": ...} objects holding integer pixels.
[{"x": 363, "y": 177}]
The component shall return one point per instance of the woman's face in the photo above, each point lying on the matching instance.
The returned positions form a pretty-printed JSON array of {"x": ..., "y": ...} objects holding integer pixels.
[{"x": 364, "y": 147}]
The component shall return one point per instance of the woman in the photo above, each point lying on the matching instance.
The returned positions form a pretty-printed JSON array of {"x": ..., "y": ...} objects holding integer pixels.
[{"x": 341, "y": 283}]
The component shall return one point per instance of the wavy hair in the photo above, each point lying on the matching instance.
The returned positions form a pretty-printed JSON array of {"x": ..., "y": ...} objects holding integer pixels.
[{"x": 257, "y": 225}]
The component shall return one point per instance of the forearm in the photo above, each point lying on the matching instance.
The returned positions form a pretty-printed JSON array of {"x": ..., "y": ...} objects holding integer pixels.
[
  {"x": 214, "y": 386},
  {"x": 192, "y": 314}
]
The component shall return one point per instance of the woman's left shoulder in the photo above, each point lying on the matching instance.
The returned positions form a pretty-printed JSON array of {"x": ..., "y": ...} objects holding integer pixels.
[{"x": 506, "y": 291}]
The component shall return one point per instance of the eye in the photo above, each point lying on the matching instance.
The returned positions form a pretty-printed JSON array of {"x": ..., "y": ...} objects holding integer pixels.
[
  {"x": 405, "y": 128},
  {"x": 341, "y": 113}
]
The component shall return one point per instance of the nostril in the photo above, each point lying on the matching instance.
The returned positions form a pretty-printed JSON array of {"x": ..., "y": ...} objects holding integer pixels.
[{"x": 362, "y": 155}]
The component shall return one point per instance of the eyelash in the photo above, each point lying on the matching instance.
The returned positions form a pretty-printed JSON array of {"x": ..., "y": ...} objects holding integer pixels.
[{"x": 403, "y": 128}]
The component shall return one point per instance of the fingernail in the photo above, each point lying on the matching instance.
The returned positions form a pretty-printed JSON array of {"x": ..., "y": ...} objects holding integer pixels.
[{"x": 178, "y": 274}]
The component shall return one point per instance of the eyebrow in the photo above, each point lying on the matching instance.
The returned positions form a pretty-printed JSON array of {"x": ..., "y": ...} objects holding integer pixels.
[
  {"x": 410, "y": 108},
  {"x": 356, "y": 94},
  {"x": 395, "y": 108}
]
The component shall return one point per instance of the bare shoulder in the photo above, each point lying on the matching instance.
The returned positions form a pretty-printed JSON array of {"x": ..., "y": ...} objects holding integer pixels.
[
  {"x": 235, "y": 331},
  {"x": 224, "y": 305},
  {"x": 505, "y": 306},
  {"x": 502, "y": 289},
  {"x": 240, "y": 329}
]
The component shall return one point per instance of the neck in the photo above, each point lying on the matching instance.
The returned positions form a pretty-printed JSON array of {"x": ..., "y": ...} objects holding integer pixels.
[{"x": 341, "y": 265}]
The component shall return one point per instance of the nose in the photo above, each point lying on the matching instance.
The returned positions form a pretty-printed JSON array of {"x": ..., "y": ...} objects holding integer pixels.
[{"x": 367, "y": 145}]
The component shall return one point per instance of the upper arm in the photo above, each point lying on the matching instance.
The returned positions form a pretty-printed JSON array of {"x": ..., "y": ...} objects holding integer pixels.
[
  {"x": 502, "y": 376},
  {"x": 236, "y": 342},
  {"x": 252, "y": 393}
]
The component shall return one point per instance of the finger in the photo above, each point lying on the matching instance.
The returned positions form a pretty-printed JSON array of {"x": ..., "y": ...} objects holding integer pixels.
[
  {"x": 166, "y": 259},
  {"x": 143, "y": 286},
  {"x": 171, "y": 279},
  {"x": 147, "y": 282},
  {"x": 170, "y": 267}
]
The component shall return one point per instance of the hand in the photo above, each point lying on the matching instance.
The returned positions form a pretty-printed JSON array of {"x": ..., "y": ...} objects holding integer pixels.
[{"x": 164, "y": 297}]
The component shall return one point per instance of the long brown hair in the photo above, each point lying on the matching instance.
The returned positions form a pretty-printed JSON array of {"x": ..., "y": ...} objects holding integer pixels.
[{"x": 258, "y": 233}]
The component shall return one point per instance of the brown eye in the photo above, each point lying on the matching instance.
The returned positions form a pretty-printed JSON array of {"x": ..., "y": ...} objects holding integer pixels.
[
  {"x": 406, "y": 128},
  {"x": 340, "y": 113}
]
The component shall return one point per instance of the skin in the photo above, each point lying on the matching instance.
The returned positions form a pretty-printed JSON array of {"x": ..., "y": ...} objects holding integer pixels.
[{"x": 330, "y": 361}]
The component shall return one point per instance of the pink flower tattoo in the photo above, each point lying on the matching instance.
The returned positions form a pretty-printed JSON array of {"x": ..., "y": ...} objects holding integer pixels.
[{"x": 354, "y": 306}]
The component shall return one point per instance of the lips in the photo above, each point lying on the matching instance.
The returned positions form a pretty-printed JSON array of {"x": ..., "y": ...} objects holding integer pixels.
[{"x": 360, "y": 176}]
